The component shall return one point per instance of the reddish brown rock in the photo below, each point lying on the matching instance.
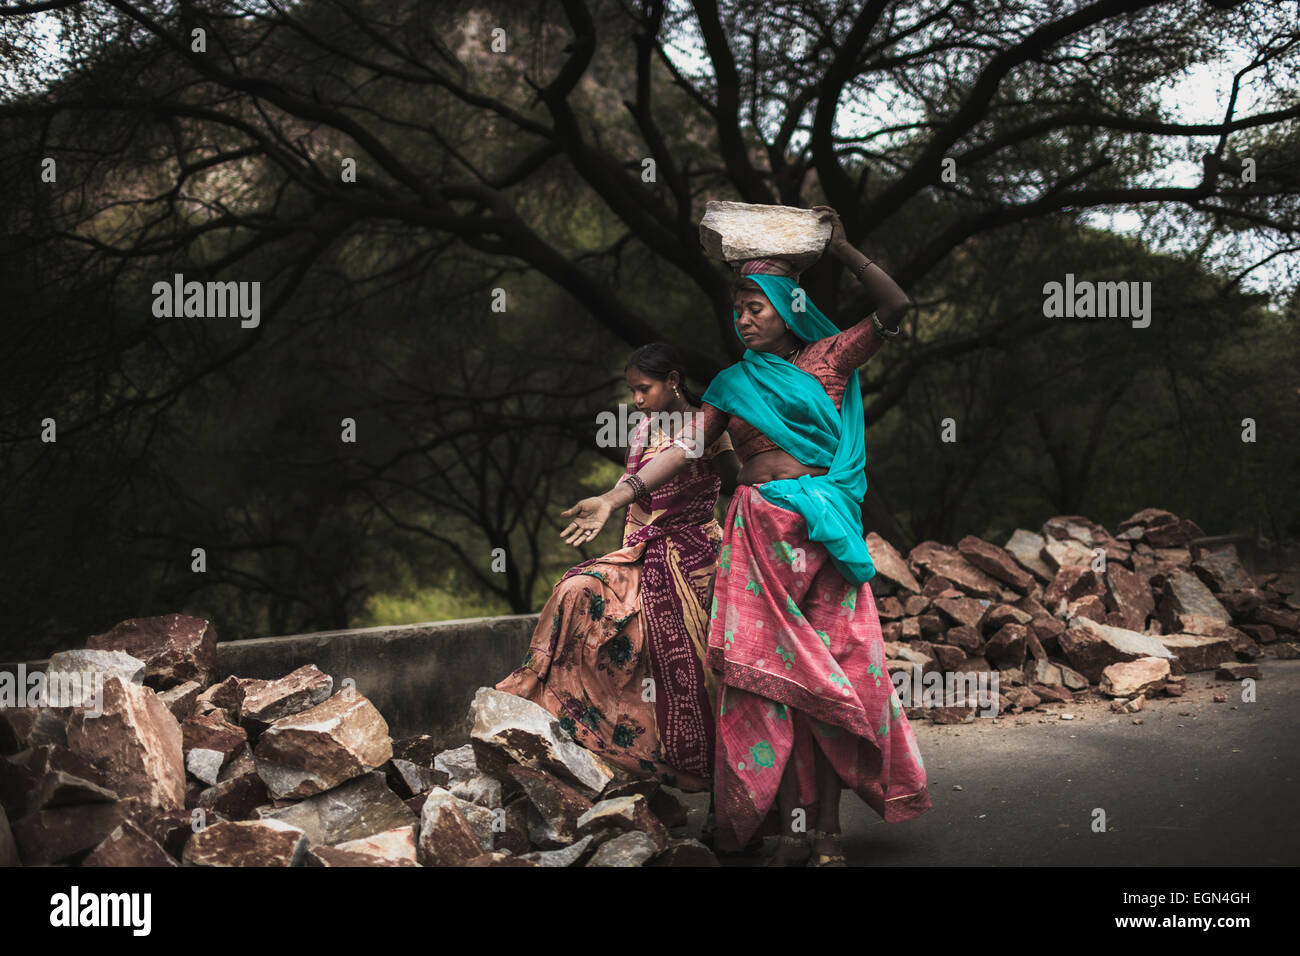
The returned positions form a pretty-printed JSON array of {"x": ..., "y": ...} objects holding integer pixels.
[
  {"x": 333, "y": 856},
  {"x": 932, "y": 558},
  {"x": 508, "y": 729},
  {"x": 1127, "y": 706},
  {"x": 954, "y": 714},
  {"x": 22, "y": 728},
  {"x": 963, "y": 637},
  {"x": 182, "y": 698},
  {"x": 624, "y": 814},
  {"x": 1058, "y": 555},
  {"x": 318, "y": 749},
  {"x": 129, "y": 845},
  {"x": 685, "y": 853},
  {"x": 1197, "y": 652},
  {"x": 889, "y": 609},
  {"x": 496, "y": 859},
  {"x": 1007, "y": 646},
  {"x": 1022, "y": 697},
  {"x": 1052, "y": 693},
  {"x": 1071, "y": 583},
  {"x": 1172, "y": 559},
  {"x": 1133, "y": 678},
  {"x": 226, "y": 695},
  {"x": 1220, "y": 568},
  {"x": 268, "y": 701},
  {"x": 1042, "y": 671},
  {"x": 1148, "y": 518},
  {"x": 136, "y": 742},
  {"x": 627, "y": 849},
  {"x": 62, "y": 833},
  {"x": 170, "y": 829},
  {"x": 999, "y": 616},
  {"x": 1089, "y": 606},
  {"x": 512, "y": 835},
  {"x": 1238, "y": 672},
  {"x": 932, "y": 626},
  {"x": 446, "y": 837},
  {"x": 219, "y": 741},
  {"x": 1281, "y": 620},
  {"x": 1090, "y": 647},
  {"x": 949, "y": 658},
  {"x": 939, "y": 586},
  {"x": 1186, "y": 605},
  {"x": 890, "y": 565},
  {"x": 234, "y": 798},
  {"x": 174, "y": 647},
  {"x": 50, "y": 776},
  {"x": 247, "y": 843},
  {"x": 914, "y": 605},
  {"x": 996, "y": 562},
  {"x": 1027, "y": 549},
  {"x": 397, "y": 844},
  {"x": 1177, "y": 534},
  {"x": 962, "y": 611},
  {"x": 356, "y": 810},
  {"x": 1128, "y": 595},
  {"x": 1262, "y": 633}
]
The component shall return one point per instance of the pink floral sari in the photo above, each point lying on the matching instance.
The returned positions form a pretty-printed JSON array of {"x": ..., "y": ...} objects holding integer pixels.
[{"x": 802, "y": 660}]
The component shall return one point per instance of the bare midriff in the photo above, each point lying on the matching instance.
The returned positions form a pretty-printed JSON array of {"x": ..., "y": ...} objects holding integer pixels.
[{"x": 774, "y": 466}]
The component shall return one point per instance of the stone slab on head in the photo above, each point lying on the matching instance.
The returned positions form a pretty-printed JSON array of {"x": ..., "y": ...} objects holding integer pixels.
[{"x": 736, "y": 232}]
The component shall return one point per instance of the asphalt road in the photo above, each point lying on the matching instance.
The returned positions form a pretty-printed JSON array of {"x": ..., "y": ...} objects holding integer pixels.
[{"x": 1197, "y": 783}]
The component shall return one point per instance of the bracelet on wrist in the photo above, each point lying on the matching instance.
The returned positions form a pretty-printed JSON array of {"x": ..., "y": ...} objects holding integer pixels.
[
  {"x": 638, "y": 487},
  {"x": 861, "y": 270},
  {"x": 880, "y": 329}
]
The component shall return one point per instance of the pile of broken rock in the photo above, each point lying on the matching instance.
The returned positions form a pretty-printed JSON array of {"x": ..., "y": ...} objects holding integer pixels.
[
  {"x": 169, "y": 767},
  {"x": 1074, "y": 610}
]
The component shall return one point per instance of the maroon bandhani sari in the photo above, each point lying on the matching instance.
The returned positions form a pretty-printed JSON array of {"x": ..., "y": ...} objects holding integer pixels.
[
  {"x": 802, "y": 660},
  {"x": 618, "y": 652}
]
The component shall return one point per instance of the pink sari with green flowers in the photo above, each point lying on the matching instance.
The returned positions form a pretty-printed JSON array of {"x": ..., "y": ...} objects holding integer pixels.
[{"x": 802, "y": 662}]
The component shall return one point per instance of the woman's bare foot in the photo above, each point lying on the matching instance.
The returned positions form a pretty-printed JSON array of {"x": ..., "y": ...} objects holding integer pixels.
[{"x": 827, "y": 850}]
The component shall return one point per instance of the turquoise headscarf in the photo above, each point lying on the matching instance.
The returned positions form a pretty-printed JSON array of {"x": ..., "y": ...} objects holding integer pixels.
[{"x": 791, "y": 407}]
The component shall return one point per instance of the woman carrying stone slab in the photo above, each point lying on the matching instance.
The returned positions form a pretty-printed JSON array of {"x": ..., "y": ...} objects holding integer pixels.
[
  {"x": 618, "y": 651},
  {"x": 805, "y": 705}
]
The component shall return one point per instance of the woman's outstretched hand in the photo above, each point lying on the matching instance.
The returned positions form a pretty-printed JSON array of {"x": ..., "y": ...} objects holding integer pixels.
[{"x": 589, "y": 516}]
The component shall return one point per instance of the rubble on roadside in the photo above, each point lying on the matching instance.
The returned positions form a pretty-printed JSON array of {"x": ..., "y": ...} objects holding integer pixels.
[{"x": 183, "y": 770}]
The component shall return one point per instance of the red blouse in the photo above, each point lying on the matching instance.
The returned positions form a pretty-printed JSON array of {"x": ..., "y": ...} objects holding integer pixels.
[{"x": 830, "y": 360}]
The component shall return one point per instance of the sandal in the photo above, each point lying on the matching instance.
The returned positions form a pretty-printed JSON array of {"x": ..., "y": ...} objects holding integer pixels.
[
  {"x": 827, "y": 859},
  {"x": 789, "y": 841}
]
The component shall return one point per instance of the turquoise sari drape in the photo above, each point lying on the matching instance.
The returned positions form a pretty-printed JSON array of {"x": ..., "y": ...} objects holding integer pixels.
[{"x": 791, "y": 407}]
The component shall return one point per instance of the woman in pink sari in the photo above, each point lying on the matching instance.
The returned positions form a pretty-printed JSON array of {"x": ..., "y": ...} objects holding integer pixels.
[
  {"x": 618, "y": 651},
  {"x": 806, "y": 706}
]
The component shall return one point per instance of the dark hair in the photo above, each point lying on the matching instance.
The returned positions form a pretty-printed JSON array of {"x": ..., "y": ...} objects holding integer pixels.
[
  {"x": 743, "y": 284},
  {"x": 657, "y": 360}
]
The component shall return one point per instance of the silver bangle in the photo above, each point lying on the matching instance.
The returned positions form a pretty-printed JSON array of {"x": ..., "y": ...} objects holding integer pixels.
[
  {"x": 883, "y": 332},
  {"x": 858, "y": 272}
]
